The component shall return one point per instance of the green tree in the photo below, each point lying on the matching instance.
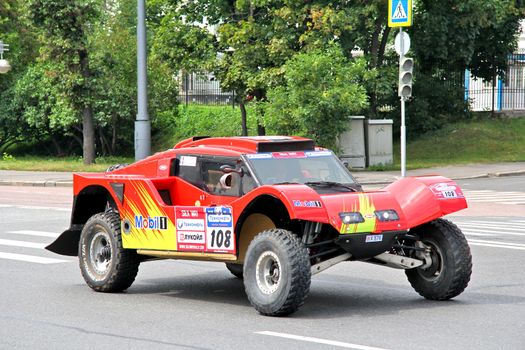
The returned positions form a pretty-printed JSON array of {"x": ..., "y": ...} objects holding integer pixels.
[
  {"x": 65, "y": 31},
  {"x": 22, "y": 51},
  {"x": 322, "y": 89}
]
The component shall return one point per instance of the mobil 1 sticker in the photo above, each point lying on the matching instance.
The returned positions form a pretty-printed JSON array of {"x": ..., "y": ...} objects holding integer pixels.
[{"x": 219, "y": 230}]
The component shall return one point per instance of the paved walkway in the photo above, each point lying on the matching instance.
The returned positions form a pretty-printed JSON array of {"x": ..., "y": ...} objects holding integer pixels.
[{"x": 36, "y": 178}]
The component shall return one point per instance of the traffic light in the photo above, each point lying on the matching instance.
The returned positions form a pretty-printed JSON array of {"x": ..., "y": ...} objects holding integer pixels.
[{"x": 406, "y": 65}]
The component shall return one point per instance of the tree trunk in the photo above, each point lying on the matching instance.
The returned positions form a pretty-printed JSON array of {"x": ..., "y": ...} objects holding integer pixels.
[
  {"x": 88, "y": 132},
  {"x": 114, "y": 136},
  {"x": 58, "y": 149},
  {"x": 243, "y": 118},
  {"x": 260, "y": 95},
  {"x": 88, "y": 124},
  {"x": 377, "y": 51},
  {"x": 103, "y": 142}
]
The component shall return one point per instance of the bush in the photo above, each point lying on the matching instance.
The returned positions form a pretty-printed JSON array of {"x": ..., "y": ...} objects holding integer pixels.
[
  {"x": 199, "y": 120},
  {"x": 322, "y": 89}
]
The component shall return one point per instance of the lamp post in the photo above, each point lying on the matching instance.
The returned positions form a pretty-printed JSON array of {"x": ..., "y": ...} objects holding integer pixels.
[
  {"x": 4, "y": 64},
  {"x": 142, "y": 123}
]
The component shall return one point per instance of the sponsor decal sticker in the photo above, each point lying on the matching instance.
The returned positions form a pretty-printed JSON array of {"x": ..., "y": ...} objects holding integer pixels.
[
  {"x": 188, "y": 161},
  {"x": 307, "y": 204},
  {"x": 190, "y": 224},
  {"x": 446, "y": 190},
  {"x": 219, "y": 233},
  {"x": 259, "y": 156},
  {"x": 318, "y": 154},
  {"x": 205, "y": 229},
  {"x": 152, "y": 223},
  {"x": 288, "y": 155}
]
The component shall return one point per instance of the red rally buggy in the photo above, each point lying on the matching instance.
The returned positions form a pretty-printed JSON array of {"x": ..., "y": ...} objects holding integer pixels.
[{"x": 275, "y": 209}]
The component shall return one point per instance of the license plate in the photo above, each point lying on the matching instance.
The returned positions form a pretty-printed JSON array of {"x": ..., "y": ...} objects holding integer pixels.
[{"x": 374, "y": 238}]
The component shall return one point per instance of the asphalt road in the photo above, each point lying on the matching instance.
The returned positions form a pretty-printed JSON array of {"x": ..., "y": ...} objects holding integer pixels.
[{"x": 44, "y": 303}]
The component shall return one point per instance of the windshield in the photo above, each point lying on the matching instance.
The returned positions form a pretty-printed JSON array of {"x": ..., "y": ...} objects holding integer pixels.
[{"x": 298, "y": 167}]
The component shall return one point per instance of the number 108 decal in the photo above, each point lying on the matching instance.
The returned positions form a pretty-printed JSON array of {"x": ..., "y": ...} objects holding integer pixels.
[
  {"x": 220, "y": 239},
  {"x": 219, "y": 230}
]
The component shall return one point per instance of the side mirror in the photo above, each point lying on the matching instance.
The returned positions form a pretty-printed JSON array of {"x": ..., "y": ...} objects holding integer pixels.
[{"x": 227, "y": 169}]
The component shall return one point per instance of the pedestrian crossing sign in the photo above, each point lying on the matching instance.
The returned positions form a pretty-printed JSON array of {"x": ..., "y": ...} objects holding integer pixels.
[{"x": 399, "y": 13}]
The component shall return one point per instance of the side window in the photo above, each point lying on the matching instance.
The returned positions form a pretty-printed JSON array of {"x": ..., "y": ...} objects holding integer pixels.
[
  {"x": 205, "y": 173},
  {"x": 217, "y": 182},
  {"x": 187, "y": 168}
]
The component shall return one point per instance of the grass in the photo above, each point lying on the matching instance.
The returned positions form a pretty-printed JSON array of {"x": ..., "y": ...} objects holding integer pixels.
[
  {"x": 482, "y": 141},
  {"x": 33, "y": 163}
]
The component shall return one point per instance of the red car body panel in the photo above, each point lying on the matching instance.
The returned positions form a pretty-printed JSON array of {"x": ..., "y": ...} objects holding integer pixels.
[{"x": 159, "y": 211}]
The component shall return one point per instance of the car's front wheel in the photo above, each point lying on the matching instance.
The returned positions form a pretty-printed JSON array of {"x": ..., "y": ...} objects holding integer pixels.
[
  {"x": 277, "y": 272},
  {"x": 105, "y": 265},
  {"x": 448, "y": 262}
]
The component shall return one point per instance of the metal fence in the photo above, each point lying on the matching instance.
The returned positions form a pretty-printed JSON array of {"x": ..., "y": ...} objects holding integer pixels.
[
  {"x": 499, "y": 95},
  {"x": 203, "y": 89}
]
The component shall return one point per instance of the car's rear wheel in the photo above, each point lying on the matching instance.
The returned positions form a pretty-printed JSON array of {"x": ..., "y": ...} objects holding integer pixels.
[
  {"x": 277, "y": 272},
  {"x": 448, "y": 265},
  {"x": 235, "y": 269},
  {"x": 105, "y": 265}
]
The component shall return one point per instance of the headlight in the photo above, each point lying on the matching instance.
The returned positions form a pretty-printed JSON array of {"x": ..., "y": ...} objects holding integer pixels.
[
  {"x": 387, "y": 215},
  {"x": 351, "y": 218}
]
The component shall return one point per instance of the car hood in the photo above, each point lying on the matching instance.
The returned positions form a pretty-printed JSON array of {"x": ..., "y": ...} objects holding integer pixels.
[{"x": 416, "y": 200}]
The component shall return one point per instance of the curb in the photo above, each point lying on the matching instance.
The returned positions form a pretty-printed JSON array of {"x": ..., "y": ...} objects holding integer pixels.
[{"x": 36, "y": 183}]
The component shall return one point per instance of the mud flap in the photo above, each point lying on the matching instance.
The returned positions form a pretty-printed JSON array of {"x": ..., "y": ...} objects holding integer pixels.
[{"x": 66, "y": 243}]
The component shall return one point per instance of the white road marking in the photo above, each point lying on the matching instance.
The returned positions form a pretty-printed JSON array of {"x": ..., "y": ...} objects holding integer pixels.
[
  {"x": 24, "y": 244},
  {"x": 33, "y": 207},
  {"x": 36, "y": 233},
  {"x": 30, "y": 258},
  {"x": 486, "y": 232},
  {"x": 493, "y": 229},
  {"x": 498, "y": 243},
  {"x": 495, "y": 245},
  {"x": 489, "y": 196},
  {"x": 319, "y": 341}
]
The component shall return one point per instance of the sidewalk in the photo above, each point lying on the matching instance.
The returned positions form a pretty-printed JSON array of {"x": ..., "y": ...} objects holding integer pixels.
[{"x": 471, "y": 171}]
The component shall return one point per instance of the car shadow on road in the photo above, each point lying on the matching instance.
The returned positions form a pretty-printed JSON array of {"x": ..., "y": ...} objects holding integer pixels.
[
  {"x": 327, "y": 299},
  {"x": 219, "y": 287}
]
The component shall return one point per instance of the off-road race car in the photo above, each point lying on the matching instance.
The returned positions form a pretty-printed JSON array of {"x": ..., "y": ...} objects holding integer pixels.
[{"x": 276, "y": 210}]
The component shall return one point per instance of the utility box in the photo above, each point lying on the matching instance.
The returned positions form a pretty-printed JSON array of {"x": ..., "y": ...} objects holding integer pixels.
[
  {"x": 352, "y": 143},
  {"x": 379, "y": 141}
]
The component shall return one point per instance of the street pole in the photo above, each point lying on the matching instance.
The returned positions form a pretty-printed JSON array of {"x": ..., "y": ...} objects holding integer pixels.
[
  {"x": 142, "y": 124},
  {"x": 403, "y": 127}
]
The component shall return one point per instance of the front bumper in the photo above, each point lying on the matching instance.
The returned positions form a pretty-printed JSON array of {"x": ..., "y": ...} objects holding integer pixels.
[{"x": 368, "y": 245}]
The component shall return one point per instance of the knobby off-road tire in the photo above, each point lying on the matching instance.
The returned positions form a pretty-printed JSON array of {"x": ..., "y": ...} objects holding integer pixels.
[
  {"x": 105, "y": 265},
  {"x": 235, "y": 269},
  {"x": 277, "y": 272},
  {"x": 451, "y": 267}
]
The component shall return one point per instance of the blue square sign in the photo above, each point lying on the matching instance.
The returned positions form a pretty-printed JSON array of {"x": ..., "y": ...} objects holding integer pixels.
[{"x": 399, "y": 13}]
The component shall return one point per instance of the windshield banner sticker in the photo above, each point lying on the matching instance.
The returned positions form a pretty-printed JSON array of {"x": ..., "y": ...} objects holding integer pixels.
[{"x": 279, "y": 155}]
